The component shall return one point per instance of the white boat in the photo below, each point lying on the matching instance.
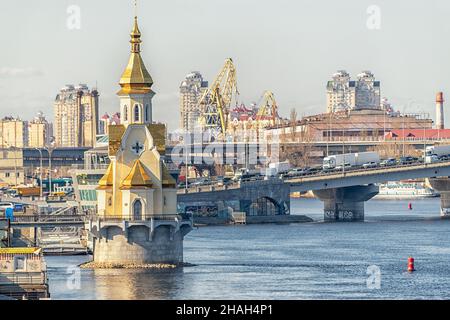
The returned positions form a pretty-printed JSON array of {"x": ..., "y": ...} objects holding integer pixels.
[{"x": 405, "y": 190}]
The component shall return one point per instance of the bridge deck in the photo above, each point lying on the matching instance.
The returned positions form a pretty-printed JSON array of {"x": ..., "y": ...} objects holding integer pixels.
[{"x": 335, "y": 179}]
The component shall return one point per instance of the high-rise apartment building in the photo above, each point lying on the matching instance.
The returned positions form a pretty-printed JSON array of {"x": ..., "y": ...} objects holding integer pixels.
[
  {"x": 76, "y": 116},
  {"x": 40, "y": 132},
  {"x": 368, "y": 93},
  {"x": 340, "y": 92},
  {"x": 191, "y": 90},
  {"x": 346, "y": 94},
  {"x": 13, "y": 133}
]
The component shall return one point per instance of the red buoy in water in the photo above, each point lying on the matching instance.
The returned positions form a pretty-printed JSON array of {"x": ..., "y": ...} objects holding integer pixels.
[
  {"x": 411, "y": 264},
  {"x": 410, "y": 206}
]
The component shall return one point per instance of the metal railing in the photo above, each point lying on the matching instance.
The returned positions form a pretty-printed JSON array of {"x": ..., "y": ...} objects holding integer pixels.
[
  {"x": 47, "y": 218},
  {"x": 8, "y": 278},
  {"x": 120, "y": 218}
]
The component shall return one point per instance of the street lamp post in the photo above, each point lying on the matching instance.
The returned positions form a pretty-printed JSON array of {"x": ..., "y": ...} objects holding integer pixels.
[
  {"x": 186, "y": 164},
  {"x": 40, "y": 171},
  {"x": 49, "y": 169},
  {"x": 49, "y": 151}
]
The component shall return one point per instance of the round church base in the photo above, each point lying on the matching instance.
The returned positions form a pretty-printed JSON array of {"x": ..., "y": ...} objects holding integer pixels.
[{"x": 138, "y": 246}]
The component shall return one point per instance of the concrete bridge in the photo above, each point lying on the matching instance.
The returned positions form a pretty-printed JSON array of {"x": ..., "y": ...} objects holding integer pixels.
[{"x": 343, "y": 193}]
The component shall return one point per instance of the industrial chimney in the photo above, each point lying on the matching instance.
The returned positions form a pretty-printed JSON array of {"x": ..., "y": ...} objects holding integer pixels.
[{"x": 439, "y": 110}]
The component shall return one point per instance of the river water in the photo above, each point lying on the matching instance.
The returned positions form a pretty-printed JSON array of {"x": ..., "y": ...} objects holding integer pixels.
[{"x": 298, "y": 261}]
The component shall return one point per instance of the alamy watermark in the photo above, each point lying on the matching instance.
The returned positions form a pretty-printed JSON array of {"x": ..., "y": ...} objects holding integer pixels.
[
  {"x": 195, "y": 148},
  {"x": 74, "y": 279},
  {"x": 374, "y": 277},
  {"x": 74, "y": 17},
  {"x": 374, "y": 19}
]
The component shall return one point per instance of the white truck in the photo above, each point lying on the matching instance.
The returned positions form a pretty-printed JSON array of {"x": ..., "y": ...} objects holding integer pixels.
[
  {"x": 350, "y": 160},
  {"x": 432, "y": 153},
  {"x": 278, "y": 168}
]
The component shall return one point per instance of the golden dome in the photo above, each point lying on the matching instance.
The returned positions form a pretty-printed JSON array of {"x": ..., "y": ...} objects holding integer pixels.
[{"x": 135, "y": 79}]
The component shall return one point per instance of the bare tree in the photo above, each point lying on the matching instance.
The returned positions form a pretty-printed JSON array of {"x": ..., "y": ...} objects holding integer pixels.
[{"x": 293, "y": 123}]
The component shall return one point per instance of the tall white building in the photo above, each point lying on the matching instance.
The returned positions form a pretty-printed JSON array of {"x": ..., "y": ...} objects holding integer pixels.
[
  {"x": 191, "y": 90},
  {"x": 340, "y": 92},
  {"x": 368, "y": 93},
  {"x": 346, "y": 94}
]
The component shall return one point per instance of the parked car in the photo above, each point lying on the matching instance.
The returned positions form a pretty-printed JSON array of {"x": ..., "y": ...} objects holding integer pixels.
[
  {"x": 388, "y": 162},
  {"x": 370, "y": 164}
]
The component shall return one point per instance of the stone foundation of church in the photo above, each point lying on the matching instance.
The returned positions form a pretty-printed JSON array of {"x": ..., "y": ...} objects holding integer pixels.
[{"x": 139, "y": 243}]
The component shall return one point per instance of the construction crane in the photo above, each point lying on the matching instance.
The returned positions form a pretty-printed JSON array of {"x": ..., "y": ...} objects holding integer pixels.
[
  {"x": 268, "y": 109},
  {"x": 215, "y": 102}
]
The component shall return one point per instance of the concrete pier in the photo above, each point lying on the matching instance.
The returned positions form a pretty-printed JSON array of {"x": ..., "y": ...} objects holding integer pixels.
[
  {"x": 345, "y": 204},
  {"x": 442, "y": 185}
]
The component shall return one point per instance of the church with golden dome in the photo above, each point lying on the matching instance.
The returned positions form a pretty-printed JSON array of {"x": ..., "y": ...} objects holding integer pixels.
[{"x": 137, "y": 219}]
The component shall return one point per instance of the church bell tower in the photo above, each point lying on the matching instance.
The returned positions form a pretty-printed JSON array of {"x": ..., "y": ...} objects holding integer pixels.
[{"x": 136, "y": 85}]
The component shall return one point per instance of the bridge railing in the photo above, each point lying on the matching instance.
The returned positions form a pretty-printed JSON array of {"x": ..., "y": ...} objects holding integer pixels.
[
  {"x": 47, "y": 218},
  {"x": 359, "y": 169},
  {"x": 299, "y": 178}
]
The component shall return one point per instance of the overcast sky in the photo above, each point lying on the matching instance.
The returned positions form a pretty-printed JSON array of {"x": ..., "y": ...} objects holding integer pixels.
[{"x": 289, "y": 47}]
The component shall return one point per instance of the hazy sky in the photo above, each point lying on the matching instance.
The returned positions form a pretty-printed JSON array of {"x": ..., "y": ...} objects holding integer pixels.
[{"x": 289, "y": 47}]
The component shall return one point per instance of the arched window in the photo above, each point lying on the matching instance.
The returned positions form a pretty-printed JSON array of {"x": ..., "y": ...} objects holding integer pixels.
[
  {"x": 125, "y": 113},
  {"x": 147, "y": 111},
  {"x": 137, "y": 210},
  {"x": 136, "y": 113}
]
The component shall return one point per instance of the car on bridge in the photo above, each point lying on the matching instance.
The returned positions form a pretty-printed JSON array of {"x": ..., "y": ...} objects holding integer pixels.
[
  {"x": 388, "y": 162},
  {"x": 407, "y": 160},
  {"x": 369, "y": 165},
  {"x": 297, "y": 172},
  {"x": 223, "y": 181}
]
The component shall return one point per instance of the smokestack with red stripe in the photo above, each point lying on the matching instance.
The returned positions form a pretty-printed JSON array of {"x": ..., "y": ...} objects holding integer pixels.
[{"x": 439, "y": 110}]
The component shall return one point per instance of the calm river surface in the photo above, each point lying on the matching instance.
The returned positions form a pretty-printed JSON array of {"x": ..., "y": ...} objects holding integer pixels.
[{"x": 298, "y": 261}]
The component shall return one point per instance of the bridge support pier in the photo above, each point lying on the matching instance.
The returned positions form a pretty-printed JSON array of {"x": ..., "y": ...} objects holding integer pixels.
[
  {"x": 345, "y": 204},
  {"x": 442, "y": 185}
]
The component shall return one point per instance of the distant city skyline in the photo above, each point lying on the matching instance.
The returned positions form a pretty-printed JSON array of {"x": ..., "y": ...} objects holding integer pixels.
[{"x": 291, "y": 48}]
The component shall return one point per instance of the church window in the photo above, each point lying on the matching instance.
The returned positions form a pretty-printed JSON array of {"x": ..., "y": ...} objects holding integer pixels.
[
  {"x": 137, "y": 210},
  {"x": 125, "y": 113},
  {"x": 109, "y": 201},
  {"x": 136, "y": 113},
  {"x": 146, "y": 113}
]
